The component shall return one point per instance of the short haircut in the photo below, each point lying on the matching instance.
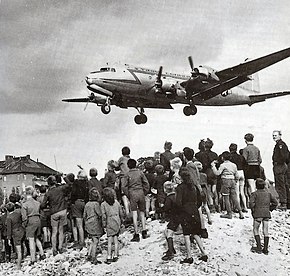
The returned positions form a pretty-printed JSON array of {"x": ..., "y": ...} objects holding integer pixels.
[
  {"x": 94, "y": 194},
  {"x": 159, "y": 169},
  {"x": 131, "y": 163},
  {"x": 260, "y": 184},
  {"x": 168, "y": 187},
  {"x": 125, "y": 150},
  {"x": 249, "y": 137},
  {"x": 51, "y": 180},
  {"x": 93, "y": 172},
  {"x": 14, "y": 197},
  {"x": 188, "y": 153},
  {"x": 29, "y": 190},
  {"x": 278, "y": 131},
  {"x": 201, "y": 145},
  {"x": 226, "y": 155},
  {"x": 167, "y": 145},
  {"x": 109, "y": 195},
  {"x": 42, "y": 188},
  {"x": 10, "y": 206},
  {"x": 208, "y": 144},
  {"x": 233, "y": 147}
]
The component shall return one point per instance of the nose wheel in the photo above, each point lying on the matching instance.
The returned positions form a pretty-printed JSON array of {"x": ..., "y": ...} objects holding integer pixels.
[
  {"x": 189, "y": 110},
  {"x": 141, "y": 118},
  {"x": 106, "y": 109}
]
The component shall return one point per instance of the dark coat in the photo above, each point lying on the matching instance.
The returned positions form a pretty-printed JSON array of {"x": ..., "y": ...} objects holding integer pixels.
[{"x": 261, "y": 203}]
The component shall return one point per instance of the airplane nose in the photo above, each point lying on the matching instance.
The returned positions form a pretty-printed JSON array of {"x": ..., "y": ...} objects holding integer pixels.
[{"x": 89, "y": 80}]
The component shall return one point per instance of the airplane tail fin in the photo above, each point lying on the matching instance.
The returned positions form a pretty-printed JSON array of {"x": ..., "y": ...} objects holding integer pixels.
[{"x": 253, "y": 84}]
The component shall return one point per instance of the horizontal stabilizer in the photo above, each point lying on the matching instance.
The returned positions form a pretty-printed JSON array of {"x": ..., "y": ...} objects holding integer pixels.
[{"x": 263, "y": 97}]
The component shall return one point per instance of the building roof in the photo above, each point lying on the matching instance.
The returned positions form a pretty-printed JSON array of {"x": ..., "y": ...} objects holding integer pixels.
[{"x": 24, "y": 164}]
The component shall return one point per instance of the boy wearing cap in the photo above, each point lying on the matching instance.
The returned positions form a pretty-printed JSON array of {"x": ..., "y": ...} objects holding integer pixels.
[
  {"x": 261, "y": 203},
  {"x": 135, "y": 187}
]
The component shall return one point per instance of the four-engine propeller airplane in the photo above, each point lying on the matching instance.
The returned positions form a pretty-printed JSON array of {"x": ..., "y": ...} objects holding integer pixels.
[{"x": 132, "y": 86}]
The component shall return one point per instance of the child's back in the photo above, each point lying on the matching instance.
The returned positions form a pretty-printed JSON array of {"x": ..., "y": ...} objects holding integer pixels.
[{"x": 93, "y": 218}]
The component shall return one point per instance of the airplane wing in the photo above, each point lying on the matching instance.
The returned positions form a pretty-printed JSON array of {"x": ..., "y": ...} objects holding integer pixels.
[
  {"x": 93, "y": 98},
  {"x": 77, "y": 100},
  {"x": 263, "y": 97},
  {"x": 233, "y": 76}
]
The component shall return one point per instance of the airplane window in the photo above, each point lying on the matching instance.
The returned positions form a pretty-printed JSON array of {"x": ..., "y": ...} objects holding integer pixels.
[
  {"x": 104, "y": 69},
  {"x": 113, "y": 69}
]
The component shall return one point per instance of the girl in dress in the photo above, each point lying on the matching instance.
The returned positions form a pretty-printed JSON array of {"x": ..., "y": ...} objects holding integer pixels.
[
  {"x": 112, "y": 218},
  {"x": 93, "y": 223}
]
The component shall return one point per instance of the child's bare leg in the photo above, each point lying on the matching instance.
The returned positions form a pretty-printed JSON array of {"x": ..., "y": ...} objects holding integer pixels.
[
  {"x": 266, "y": 228},
  {"x": 199, "y": 243},
  {"x": 143, "y": 220},
  {"x": 110, "y": 239},
  {"x": 135, "y": 221},
  {"x": 116, "y": 246},
  {"x": 126, "y": 204},
  {"x": 187, "y": 245},
  {"x": 32, "y": 249},
  {"x": 207, "y": 213},
  {"x": 39, "y": 246},
  {"x": 19, "y": 256},
  {"x": 94, "y": 247}
]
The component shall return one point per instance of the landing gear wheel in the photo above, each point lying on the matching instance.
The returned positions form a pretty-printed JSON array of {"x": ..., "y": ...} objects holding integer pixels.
[
  {"x": 106, "y": 109},
  {"x": 189, "y": 110},
  {"x": 140, "y": 119}
]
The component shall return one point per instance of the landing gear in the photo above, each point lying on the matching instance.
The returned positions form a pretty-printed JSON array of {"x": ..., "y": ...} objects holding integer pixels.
[
  {"x": 189, "y": 110},
  {"x": 141, "y": 118},
  {"x": 106, "y": 109}
]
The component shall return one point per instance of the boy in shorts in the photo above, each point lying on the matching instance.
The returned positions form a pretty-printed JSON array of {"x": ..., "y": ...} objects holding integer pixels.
[
  {"x": 15, "y": 230},
  {"x": 261, "y": 203},
  {"x": 135, "y": 187}
]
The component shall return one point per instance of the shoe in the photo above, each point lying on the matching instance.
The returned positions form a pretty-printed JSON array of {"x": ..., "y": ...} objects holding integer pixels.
[
  {"x": 187, "y": 261},
  {"x": 241, "y": 217},
  {"x": 42, "y": 257},
  {"x": 115, "y": 259},
  {"x": 256, "y": 250},
  {"x": 209, "y": 222},
  {"x": 54, "y": 252},
  {"x": 265, "y": 251},
  {"x": 108, "y": 261},
  {"x": 136, "y": 238},
  {"x": 168, "y": 256},
  {"x": 144, "y": 234},
  {"x": 89, "y": 258},
  {"x": 203, "y": 258},
  {"x": 228, "y": 216},
  {"x": 244, "y": 210},
  {"x": 62, "y": 250},
  {"x": 95, "y": 261},
  {"x": 32, "y": 263},
  {"x": 204, "y": 233}
]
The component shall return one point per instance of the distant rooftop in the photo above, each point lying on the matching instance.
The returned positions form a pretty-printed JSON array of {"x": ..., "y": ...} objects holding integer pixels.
[{"x": 24, "y": 164}]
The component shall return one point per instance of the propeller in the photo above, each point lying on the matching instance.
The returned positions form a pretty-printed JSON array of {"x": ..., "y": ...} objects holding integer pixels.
[
  {"x": 91, "y": 97},
  {"x": 194, "y": 70},
  {"x": 158, "y": 83}
]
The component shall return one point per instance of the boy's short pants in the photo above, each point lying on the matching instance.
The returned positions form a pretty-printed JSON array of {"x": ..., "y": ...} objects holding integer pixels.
[
  {"x": 261, "y": 219},
  {"x": 18, "y": 235},
  {"x": 252, "y": 172},
  {"x": 33, "y": 228},
  {"x": 137, "y": 200},
  {"x": 173, "y": 224},
  {"x": 77, "y": 209},
  {"x": 228, "y": 187},
  {"x": 59, "y": 218}
]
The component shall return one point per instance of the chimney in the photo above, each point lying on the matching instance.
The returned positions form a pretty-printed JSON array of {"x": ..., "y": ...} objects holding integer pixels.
[{"x": 8, "y": 159}]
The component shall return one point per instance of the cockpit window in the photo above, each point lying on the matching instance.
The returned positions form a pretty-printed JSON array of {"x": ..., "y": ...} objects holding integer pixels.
[{"x": 105, "y": 69}]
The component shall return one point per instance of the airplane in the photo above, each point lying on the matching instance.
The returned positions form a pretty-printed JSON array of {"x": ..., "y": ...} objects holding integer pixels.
[{"x": 133, "y": 86}]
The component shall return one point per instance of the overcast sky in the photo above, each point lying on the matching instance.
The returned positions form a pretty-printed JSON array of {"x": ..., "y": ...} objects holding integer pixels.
[{"x": 48, "y": 47}]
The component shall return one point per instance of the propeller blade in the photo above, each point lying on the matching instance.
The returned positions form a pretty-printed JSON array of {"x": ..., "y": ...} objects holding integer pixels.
[
  {"x": 86, "y": 105},
  {"x": 191, "y": 63},
  {"x": 159, "y": 73}
]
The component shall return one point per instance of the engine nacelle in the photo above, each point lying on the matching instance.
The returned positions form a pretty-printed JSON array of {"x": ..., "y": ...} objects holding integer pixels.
[
  {"x": 207, "y": 73},
  {"x": 168, "y": 85}
]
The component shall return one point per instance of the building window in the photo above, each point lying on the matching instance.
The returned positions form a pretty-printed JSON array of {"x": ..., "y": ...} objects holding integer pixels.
[
  {"x": 18, "y": 177},
  {"x": 24, "y": 177},
  {"x": 4, "y": 178}
]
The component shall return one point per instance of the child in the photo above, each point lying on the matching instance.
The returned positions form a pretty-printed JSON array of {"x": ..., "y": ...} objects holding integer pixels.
[
  {"x": 175, "y": 165},
  {"x": 150, "y": 197},
  {"x": 171, "y": 210},
  {"x": 229, "y": 175},
  {"x": 111, "y": 217},
  {"x": 188, "y": 200},
  {"x": 44, "y": 218},
  {"x": 161, "y": 178},
  {"x": 94, "y": 182},
  {"x": 31, "y": 221},
  {"x": 203, "y": 184},
  {"x": 136, "y": 186},
  {"x": 93, "y": 223},
  {"x": 15, "y": 230},
  {"x": 110, "y": 177},
  {"x": 261, "y": 203}
]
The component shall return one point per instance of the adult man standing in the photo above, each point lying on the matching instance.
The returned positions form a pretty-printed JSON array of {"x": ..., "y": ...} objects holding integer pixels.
[{"x": 280, "y": 159}]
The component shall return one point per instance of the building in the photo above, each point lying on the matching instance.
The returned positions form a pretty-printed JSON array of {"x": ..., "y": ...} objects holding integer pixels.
[{"x": 18, "y": 172}]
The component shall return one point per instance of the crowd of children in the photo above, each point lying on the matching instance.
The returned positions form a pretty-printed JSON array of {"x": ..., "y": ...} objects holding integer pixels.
[{"x": 178, "y": 188}]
